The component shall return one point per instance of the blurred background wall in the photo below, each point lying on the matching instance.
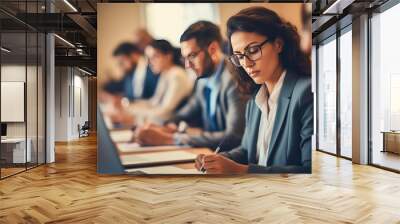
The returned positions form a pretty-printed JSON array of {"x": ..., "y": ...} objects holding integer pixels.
[{"x": 116, "y": 23}]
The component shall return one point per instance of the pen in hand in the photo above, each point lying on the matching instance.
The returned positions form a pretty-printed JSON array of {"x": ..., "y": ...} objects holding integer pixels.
[
  {"x": 216, "y": 152},
  {"x": 202, "y": 163}
]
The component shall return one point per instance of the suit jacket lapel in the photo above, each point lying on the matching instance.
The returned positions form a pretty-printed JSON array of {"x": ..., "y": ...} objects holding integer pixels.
[
  {"x": 283, "y": 104},
  {"x": 129, "y": 86},
  {"x": 222, "y": 77},
  {"x": 220, "y": 99},
  {"x": 255, "y": 124}
]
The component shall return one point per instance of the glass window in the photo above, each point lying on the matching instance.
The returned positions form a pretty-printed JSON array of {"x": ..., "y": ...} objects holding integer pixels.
[
  {"x": 385, "y": 89},
  {"x": 327, "y": 96},
  {"x": 346, "y": 94},
  {"x": 14, "y": 151},
  {"x": 22, "y": 92},
  {"x": 41, "y": 98},
  {"x": 31, "y": 96}
]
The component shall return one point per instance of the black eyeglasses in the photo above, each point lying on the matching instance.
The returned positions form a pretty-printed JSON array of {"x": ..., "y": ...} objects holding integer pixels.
[
  {"x": 253, "y": 53},
  {"x": 191, "y": 57}
]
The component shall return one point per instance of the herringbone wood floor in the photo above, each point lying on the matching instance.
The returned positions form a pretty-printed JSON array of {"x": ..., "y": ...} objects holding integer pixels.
[{"x": 70, "y": 191}]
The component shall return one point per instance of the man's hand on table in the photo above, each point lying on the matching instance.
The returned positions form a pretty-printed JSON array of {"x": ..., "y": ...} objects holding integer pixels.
[
  {"x": 171, "y": 127},
  {"x": 154, "y": 135},
  {"x": 122, "y": 117}
]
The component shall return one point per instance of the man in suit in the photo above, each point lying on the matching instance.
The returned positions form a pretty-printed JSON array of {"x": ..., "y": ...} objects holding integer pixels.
[
  {"x": 216, "y": 104},
  {"x": 139, "y": 82},
  {"x": 142, "y": 39}
]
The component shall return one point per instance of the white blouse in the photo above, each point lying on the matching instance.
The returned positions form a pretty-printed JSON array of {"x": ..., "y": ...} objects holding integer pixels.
[
  {"x": 268, "y": 106},
  {"x": 139, "y": 77},
  {"x": 173, "y": 87}
]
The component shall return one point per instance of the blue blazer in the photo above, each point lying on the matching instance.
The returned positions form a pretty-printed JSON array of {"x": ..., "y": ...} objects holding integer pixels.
[
  {"x": 290, "y": 145},
  {"x": 124, "y": 87}
]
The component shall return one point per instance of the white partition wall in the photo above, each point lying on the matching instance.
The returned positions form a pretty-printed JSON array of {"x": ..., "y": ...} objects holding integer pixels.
[
  {"x": 71, "y": 102},
  {"x": 12, "y": 98}
]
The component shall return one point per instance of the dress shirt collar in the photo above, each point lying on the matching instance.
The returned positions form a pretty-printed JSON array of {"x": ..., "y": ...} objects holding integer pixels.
[{"x": 262, "y": 95}]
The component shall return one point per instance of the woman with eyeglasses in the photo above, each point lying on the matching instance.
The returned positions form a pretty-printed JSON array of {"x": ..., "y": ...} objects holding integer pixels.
[{"x": 279, "y": 116}]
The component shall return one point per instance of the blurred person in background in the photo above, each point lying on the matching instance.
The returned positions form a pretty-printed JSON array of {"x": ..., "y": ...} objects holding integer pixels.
[
  {"x": 131, "y": 85},
  {"x": 134, "y": 84},
  {"x": 142, "y": 38},
  {"x": 115, "y": 92},
  {"x": 173, "y": 87},
  {"x": 145, "y": 80},
  {"x": 138, "y": 81},
  {"x": 127, "y": 56},
  {"x": 216, "y": 103},
  {"x": 306, "y": 35}
]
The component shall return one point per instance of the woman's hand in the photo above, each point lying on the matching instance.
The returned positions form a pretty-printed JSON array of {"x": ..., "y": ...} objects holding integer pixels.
[
  {"x": 218, "y": 164},
  {"x": 198, "y": 162}
]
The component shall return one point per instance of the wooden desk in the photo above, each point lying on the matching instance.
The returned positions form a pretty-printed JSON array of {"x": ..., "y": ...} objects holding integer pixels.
[
  {"x": 13, "y": 150},
  {"x": 391, "y": 141}
]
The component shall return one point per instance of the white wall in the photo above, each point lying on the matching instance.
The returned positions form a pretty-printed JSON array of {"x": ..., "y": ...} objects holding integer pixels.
[
  {"x": 12, "y": 73},
  {"x": 80, "y": 100},
  {"x": 71, "y": 93},
  {"x": 183, "y": 16},
  {"x": 16, "y": 73},
  {"x": 33, "y": 127},
  {"x": 61, "y": 103}
]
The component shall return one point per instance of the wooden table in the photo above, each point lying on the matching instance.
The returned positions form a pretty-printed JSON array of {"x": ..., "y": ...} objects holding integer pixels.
[
  {"x": 391, "y": 141},
  {"x": 15, "y": 152},
  {"x": 122, "y": 136}
]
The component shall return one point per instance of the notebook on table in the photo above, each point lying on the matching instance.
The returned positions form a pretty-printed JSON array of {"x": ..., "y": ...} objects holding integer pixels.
[
  {"x": 163, "y": 170},
  {"x": 157, "y": 159},
  {"x": 126, "y": 135},
  {"x": 136, "y": 148}
]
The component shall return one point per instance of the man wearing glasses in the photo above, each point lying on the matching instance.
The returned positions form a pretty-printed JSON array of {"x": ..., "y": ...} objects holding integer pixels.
[{"x": 216, "y": 106}]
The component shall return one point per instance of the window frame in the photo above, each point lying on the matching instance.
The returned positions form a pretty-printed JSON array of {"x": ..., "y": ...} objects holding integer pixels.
[{"x": 334, "y": 37}]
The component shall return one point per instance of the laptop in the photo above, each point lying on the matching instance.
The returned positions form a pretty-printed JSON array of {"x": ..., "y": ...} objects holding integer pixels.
[{"x": 108, "y": 161}]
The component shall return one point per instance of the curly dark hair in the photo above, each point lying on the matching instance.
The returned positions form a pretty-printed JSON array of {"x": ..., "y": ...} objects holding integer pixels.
[{"x": 266, "y": 22}]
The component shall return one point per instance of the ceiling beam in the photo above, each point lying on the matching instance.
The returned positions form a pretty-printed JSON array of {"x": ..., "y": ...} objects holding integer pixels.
[
  {"x": 81, "y": 61},
  {"x": 84, "y": 24}
]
